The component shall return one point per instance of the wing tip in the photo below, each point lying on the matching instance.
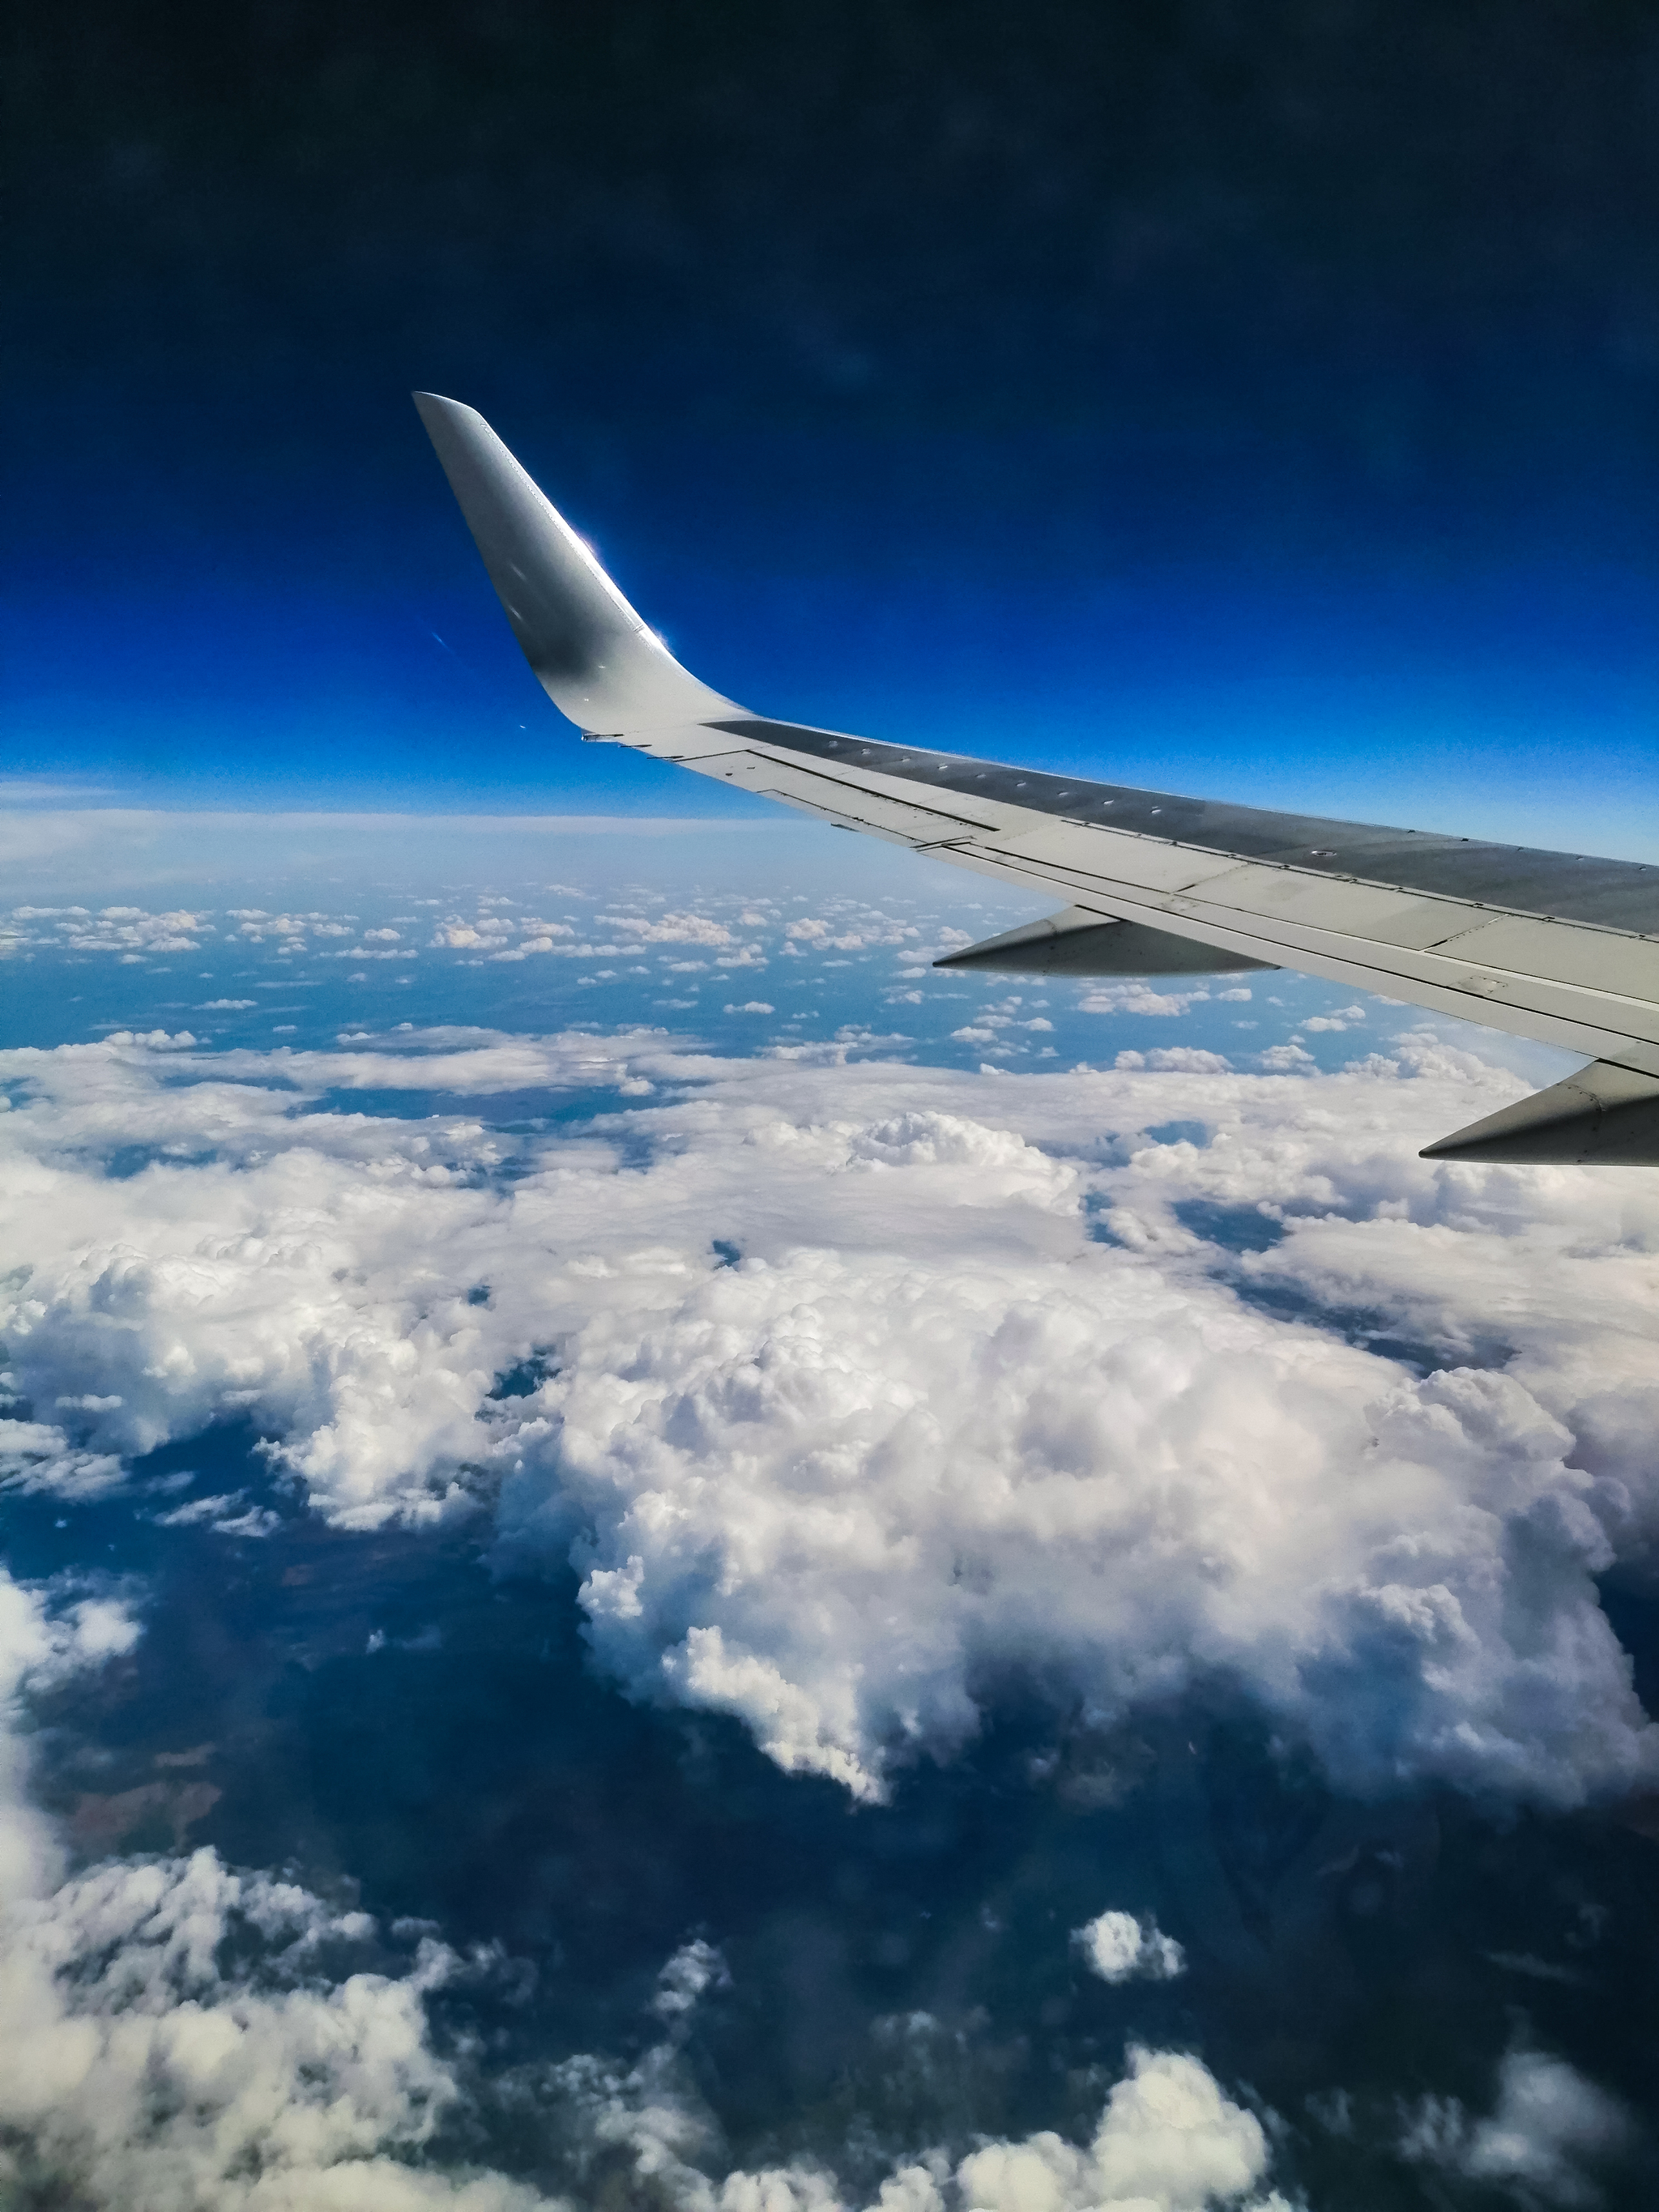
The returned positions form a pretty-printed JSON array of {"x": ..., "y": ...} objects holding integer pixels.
[{"x": 430, "y": 404}]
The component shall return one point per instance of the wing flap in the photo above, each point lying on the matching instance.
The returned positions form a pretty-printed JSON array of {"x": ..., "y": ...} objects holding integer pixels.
[{"x": 1593, "y": 959}]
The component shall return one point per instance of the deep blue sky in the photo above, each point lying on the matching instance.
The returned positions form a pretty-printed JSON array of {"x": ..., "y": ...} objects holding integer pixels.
[{"x": 1253, "y": 399}]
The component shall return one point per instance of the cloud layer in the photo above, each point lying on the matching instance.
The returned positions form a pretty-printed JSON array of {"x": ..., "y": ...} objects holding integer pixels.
[
  {"x": 861, "y": 1393},
  {"x": 856, "y": 1402}
]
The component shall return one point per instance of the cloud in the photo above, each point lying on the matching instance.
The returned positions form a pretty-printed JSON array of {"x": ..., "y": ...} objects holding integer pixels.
[
  {"x": 673, "y": 929},
  {"x": 140, "y": 2068},
  {"x": 135, "y": 2061},
  {"x": 1543, "y": 2144},
  {"x": 1137, "y": 998},
  {"x": 1169, "y": 2141},
  {"x": 1121, "y": 1949},
  {"x": 37, "y": 1455},
  {"x": 220, "y": 1514},
  {"x": 695, "y": 1968},
  {"x": 1176, "y": 1060},
  {"x": 987, "y": 1397},
  {"x": 981, "y": 1404},
  {"x": 127, "y": 930},
  {"x": 463, "y": 935},
  {"x": 180, "y": 2036}
]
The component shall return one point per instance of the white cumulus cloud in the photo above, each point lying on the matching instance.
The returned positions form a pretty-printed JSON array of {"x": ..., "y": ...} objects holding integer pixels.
[
  {"x": 1121, "y": 1949},
  {"x": 1169, "y": 2141}
]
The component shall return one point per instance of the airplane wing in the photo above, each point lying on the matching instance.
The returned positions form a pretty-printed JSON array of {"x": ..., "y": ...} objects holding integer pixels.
[{"x": 1558, "y": 946}]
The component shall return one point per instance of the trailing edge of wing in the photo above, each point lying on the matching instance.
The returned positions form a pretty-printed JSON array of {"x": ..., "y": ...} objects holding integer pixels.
[{"x": 1558, "y": 946}]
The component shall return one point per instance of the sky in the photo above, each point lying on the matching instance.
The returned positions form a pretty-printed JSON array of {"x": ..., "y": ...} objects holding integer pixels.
[
  {"x": 1250, "y": 400},
  {"x": 652, "y": 1556}
]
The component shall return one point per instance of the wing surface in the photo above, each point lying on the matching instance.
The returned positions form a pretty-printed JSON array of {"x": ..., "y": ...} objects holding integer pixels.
[{"x": 1557, "y": 946}]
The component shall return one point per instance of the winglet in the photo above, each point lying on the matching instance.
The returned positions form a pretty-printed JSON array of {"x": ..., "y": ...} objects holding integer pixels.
[
  {"x": 1604, "y": 1116},
  {"x": 593, "y": 656}
]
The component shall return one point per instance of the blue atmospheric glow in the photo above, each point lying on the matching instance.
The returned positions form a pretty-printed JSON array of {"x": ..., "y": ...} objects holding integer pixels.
[
  {"x": 332, "y": 639},
  {"x": 1474, "y": 702}
]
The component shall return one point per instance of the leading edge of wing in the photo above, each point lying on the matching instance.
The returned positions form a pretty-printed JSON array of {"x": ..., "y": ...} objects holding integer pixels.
[{"x": 1514, "y": 879}]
